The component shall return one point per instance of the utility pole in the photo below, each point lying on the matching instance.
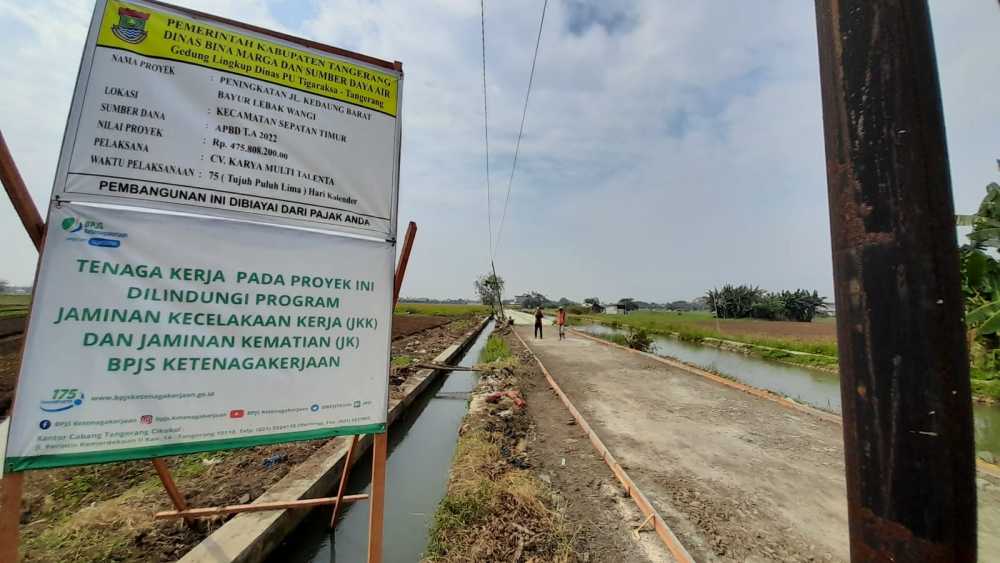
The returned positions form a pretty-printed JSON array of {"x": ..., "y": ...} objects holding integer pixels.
[
  {"x": 496, "y": 284},
  {"x": 904, "y": 369}
]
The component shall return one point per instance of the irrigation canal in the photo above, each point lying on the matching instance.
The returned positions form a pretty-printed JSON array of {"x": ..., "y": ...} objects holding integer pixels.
[
  {"x": 421, "y": 444},
  {"x": 814, "y": 387}
]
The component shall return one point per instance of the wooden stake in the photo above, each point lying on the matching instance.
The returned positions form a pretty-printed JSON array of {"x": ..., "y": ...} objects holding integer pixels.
[
  {"x": 376, "y": 505},
  {"x": 12, "y": 484},
  {"x": 11, "y": 488},
  {"x": 404, "y": 259},
  {"x": 343, "y": 480},
  {"x": 19, "y": 196},
  {"x": 168, "y": 483},
  {"x": 255, "y": 507},
  {"x": 380, "y": 450}
]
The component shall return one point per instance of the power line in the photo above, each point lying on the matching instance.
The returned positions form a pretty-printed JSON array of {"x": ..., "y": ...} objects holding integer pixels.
[
  {"x": 486, "y": 139},
  {"x": 486, "y": 126},
  {"x": 520, "y": 132}
]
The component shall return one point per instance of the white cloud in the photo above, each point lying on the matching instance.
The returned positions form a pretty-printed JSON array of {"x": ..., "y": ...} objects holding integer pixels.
[{"x": 676, "y": 151}]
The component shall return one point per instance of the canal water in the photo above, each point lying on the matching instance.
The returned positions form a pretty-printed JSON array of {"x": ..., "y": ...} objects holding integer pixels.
[
  {"x": 421, "y": 444},
  {"x": 817, "y": 388}
]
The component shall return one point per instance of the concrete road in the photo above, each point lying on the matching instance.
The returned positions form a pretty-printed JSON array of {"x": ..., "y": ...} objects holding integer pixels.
[{"x": 736, "y": 477}]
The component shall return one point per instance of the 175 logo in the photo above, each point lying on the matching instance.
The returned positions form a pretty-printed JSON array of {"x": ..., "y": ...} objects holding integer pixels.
[{"x": 62, "y": 400}]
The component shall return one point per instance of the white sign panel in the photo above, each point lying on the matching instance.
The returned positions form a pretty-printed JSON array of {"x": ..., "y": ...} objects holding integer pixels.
[
  {"x": 196, "y": 115},
  {"x": 155, "y": 334}
]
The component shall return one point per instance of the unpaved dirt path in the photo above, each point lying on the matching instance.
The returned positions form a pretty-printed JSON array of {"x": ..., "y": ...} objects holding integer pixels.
[
  {"x": 738, "y": 478},
  {"x": 601, "y": 515}
]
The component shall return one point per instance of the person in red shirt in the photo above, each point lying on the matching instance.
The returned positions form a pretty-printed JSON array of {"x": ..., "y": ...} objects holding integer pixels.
[{"x": 561, "y": 321}]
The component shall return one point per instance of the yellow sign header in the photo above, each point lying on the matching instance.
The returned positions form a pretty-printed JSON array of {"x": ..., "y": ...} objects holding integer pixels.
[{"x": 166, "y": 36}]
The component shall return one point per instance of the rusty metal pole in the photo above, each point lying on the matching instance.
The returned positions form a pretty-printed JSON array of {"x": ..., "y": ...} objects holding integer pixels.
[{"x": 908, "y": 436}]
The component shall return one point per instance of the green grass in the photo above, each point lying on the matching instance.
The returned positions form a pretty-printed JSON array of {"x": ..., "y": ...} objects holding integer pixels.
[
  {"x": 14, "y": 305},
  {"x": 441, "y": 310},
  {"x": 986, "y": 388},
  {"x": 808, "y": 361},
  {"x": 402, "y": 361},
  {"x": 485, "y": 494},
  {"x": 679, "y": 325},
  {"x": 619, "y": 339},
  {"x": 495, "y": 349}
]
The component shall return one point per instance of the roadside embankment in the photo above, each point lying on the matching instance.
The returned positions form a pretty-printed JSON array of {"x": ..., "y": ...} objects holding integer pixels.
[
  {"x": 814, "y": 352},
  {"x": 525, "y": 485}
]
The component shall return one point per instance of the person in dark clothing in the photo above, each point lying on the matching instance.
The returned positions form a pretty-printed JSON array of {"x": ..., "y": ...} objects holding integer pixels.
[{"x": 538, "y": 322}]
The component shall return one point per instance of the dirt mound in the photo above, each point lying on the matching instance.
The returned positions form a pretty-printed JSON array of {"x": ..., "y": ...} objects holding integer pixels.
[
  {"x": 405, "y": 325},
  {"x": 10, "y": 326}
]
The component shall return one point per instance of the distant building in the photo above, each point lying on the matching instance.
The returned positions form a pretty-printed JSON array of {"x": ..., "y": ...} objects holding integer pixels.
[
  {"x": 11, "y": 290},
  {"x": 519, "y": 300}
]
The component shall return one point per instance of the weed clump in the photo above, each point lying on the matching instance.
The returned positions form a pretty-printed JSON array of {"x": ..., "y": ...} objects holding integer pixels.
[
  {"x": 495, "y": 349},
  {"x": 637, "y": 339}
]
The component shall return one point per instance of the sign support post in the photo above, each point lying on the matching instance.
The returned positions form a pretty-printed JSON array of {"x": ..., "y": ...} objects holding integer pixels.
[
  {"x": 404, "y": 260},
  {"x": 380, "y": 449},
  {"x": 344, "y": 473},
  {"x": 11, "y": 490},
  {"x": 12, "y": 484},
  {"x": 376, "y": 507},
  {"x": 168, "y": 484},
  {"x": 19, "y": 196}
]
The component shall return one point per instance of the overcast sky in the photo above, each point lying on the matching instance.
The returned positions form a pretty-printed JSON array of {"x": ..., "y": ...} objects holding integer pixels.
[{"x": 670, "y": 146}]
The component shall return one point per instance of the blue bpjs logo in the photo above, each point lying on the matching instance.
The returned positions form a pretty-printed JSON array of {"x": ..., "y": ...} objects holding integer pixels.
[
  {"x": 105, "y": 242},
  {"x": 72, "y": 225},
  {"x": 62, "y": 400},
  {"x": 78, "y": 230}
]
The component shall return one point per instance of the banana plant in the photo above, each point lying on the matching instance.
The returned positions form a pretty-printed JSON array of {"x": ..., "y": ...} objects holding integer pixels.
[
  {"x": 985, "y": 223},
  {"x": 980, "y": 271}
]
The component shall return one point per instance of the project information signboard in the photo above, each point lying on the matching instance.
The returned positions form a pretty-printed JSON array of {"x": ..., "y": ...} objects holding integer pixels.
[
  {"x": 194, "y": 313},
  {"x": 195, "y": 334},
  {"x": 195, "y": 115}
]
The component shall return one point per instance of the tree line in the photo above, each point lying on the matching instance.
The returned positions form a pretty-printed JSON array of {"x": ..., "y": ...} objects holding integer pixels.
[
  {"x": 746, "y": 301},
  {"x": 980, "y": 271}
]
